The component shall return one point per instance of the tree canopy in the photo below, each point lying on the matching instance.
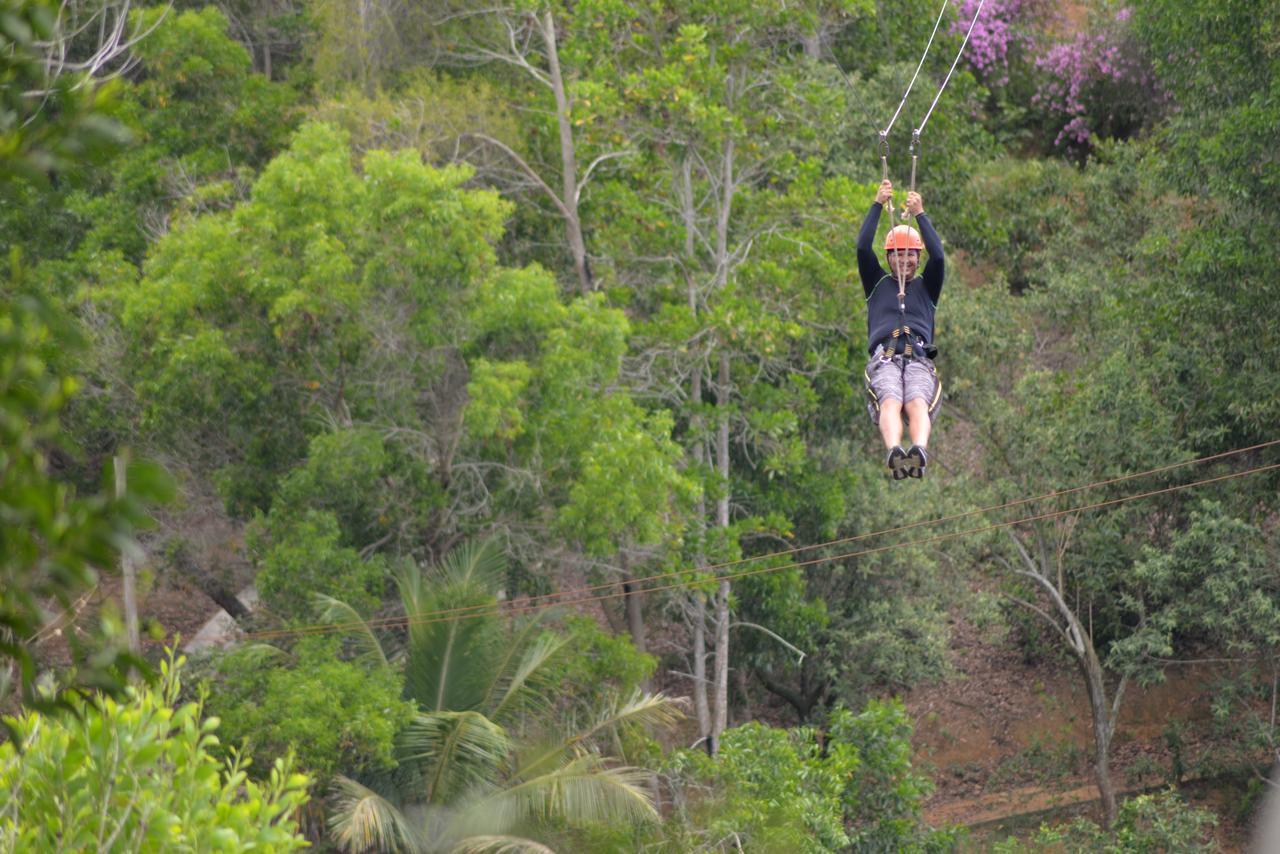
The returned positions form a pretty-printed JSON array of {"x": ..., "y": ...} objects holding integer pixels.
[{"x": 515, "y": 352}]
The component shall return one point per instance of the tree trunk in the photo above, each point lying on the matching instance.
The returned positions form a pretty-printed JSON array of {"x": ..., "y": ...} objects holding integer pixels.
[
  {"x": 701, "y": 707},
  {"x": 127, "y": 569},
  {"x": 635, "y": 616},
  {"x": 803, "y": 700},
  {"x": 207, "y": 584},
  {"x": 812, "y": 43},
  {"x": 568, "y": 158},
  {"x": 721, "y": 708},
  {"x": 635, "y": 611},
  {"x": 1103, "y": 728},
  {"x": 367, "y": 81},
  {"x": 1078, "y": 639},
  {"x": 721, "y": 718}
]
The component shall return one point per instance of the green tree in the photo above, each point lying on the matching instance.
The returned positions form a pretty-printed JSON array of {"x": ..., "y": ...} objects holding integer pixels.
[
  {"x": 696, "y": 90},
  {"x": 54, "y": 540},
  {"x": 543, "y": 45},
  {"x": 334, "y": 715},
  {"x": 204, "y": 124},
  {"x": 199, "y": 123},
  {"x": 1216, "y": 251},
  {"x": 138, "y": 775},
  {"x": 274, "y": 33},
  {"x": 630, "y": 498},
  {"x": 52, "y": 537},
  {"x": 1213, "y": 584},
  {"x": 280, "y": 340},
  {"x": 1050, "y": 413},
  {"x": 850, "y": 788}
]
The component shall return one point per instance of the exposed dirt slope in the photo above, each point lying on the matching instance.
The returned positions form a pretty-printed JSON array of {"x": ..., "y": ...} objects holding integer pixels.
[{"x": 1007, "y": 738}]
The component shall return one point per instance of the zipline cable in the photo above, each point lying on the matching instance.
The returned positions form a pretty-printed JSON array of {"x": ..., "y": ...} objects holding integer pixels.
[
  {"x": 491, "y": 610},
  {"x": 432, "y": 618},
  {"x": 854, "y": 538},
  {"x": 947, "y": 80},
  {"x": 494, "y": 611},
  {"x": 915, "y": 134},
  {"x": 885, "y": 133}
]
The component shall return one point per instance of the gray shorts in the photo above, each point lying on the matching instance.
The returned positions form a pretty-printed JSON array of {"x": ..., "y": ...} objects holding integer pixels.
[{"x": 903, "y": 380}]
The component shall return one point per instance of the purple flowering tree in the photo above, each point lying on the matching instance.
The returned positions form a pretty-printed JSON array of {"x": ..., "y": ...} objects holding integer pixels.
[
  {"x": 1072, "y": 80},
  {"x": 1097, "y": 84}
]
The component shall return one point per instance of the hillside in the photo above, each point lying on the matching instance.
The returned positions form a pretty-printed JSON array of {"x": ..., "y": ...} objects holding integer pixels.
[{"x": 548, "y": 392}]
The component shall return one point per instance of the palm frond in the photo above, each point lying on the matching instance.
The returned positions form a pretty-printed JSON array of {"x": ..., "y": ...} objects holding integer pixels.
[
  {"x": 450, "y": 663},
  {"x": 583, "y": 791},
  {"x": 363, "y": 820},
  {"x": 413, "y": 593},
  {"x": 500, "y": 845},
  {"x": 450, "y": 660},
  {"x": 453, "y": 751},
  {"x": 259, "y": 653},
  {"x": 649, "y": 710},
  {"x": 474, "y": 563},
  {"x": 339, "y": 613},
  {"x": 527, "y": 657}
]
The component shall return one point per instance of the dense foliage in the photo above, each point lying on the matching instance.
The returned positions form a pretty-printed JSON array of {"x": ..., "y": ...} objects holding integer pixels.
[
  {"x": 138, "y": 774},
  {"x": 447, "y": 314}
]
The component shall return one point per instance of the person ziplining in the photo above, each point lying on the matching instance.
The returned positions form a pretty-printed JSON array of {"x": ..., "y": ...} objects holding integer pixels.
[
  {"x": 900, "y": 374},
  {"x": 901, "y": 378}
]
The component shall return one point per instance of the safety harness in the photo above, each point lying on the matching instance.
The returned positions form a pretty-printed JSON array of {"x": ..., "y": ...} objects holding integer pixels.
[{"x": 890, "y": 344}]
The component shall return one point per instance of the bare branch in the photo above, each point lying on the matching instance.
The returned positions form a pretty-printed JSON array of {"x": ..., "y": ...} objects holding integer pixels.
[
  {"x": 1048, "y": 618},
  {"x": 526, "y": 168},
  {"x": 113, "y": 43},
  {"x": 799, "y": 652},
  {"x": 586, "y": 176},
  {"x": 1115, "y": 706}
]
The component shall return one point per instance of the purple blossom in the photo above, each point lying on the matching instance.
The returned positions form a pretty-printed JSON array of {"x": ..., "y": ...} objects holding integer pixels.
[
  {"x": 1002, "y": 28},
  {"x": 1094, "y": 78}
]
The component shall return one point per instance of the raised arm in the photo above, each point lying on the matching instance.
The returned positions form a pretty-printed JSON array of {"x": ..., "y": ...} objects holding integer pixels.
[
  {"x": 869, "y": 269},
  {"x": 934, "y": 271}
]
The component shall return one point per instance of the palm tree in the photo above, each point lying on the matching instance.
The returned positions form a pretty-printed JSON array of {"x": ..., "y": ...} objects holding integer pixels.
[{"x": 484, "y": 757}]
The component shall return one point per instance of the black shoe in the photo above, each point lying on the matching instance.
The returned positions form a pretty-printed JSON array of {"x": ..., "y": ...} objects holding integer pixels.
[
  {"x": 916, "y": 459},
  {"x": 897, "y": 463}
]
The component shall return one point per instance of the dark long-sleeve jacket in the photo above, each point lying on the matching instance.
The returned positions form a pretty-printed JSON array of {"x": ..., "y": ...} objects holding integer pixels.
[{"x": 923, "y": 292}]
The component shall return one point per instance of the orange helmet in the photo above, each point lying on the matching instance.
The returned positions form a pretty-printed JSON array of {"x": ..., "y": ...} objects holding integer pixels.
[{"x": 902, "y": 237}]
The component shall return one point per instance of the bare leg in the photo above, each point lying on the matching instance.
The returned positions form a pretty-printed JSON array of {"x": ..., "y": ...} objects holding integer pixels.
[
  {"x": 891, "y": 423},
  {"x": 917, "y": 421}
]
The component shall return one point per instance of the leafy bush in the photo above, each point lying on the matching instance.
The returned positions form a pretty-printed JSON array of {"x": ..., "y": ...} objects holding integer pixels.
[
  {"x": 334, "y": 714},
  {"x": 139, "y": 776},
  {"x": 1146, "y": 824},
  {"x": 773, "y": 789},
  {"x": 602, "y": 663},
  {"x": 304, "y": 556},
  {"x": 882, "y": 799},
  {"x": 345, "y": 473}
]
